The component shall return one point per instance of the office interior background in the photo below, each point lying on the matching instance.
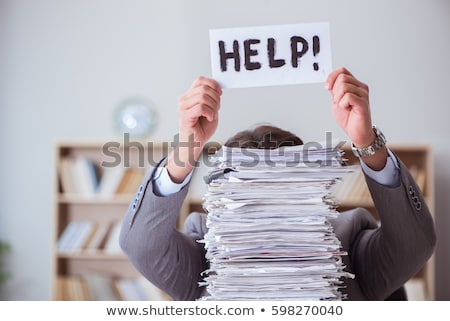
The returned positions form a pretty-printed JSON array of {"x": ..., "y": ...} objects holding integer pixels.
[{"x": 65, "y": 66}]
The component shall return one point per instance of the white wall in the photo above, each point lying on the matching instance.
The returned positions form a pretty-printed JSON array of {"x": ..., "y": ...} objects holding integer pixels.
[{"x": 65, "y": 65}]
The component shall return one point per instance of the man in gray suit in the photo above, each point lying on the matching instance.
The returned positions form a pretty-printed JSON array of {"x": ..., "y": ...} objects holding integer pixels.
[{"x": 381, "y": 256}]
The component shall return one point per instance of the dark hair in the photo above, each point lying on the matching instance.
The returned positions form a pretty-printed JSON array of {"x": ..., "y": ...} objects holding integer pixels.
[{"x": 263, "y": 137}]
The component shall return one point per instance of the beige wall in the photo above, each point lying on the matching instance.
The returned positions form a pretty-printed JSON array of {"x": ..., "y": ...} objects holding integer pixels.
[{"x": 65, "y": 65}]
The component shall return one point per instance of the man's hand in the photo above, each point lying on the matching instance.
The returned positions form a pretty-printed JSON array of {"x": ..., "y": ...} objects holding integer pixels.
[
  {"x": 351, "y": 109},
  {"x": 198, "y": 110},
  {"x": 198, "y": 116}
]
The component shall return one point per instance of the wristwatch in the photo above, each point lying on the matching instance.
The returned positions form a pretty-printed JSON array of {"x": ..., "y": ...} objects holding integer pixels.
[{"x": 378, "y": 143}]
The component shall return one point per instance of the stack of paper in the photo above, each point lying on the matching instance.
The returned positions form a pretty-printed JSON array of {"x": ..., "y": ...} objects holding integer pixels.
[{"x": 269, "y": 236}]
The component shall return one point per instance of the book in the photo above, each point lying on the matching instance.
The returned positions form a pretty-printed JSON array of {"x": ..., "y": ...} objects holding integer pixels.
[
  {"x": 74, "y": 236},
  {"x": 110, "y": 181},
  {"x": 98, "y": 237},
  {"x": 78, "y": 175},
  {"x": 112, "y": 245},
  {"x": 353, "y": 190},
  {"x": 138, "y": 289},
  {"x": 86, "y": 176},
  {"x": 130, "y": 181},
  {"x": 130, "y": 290},
  {"x": 65, "y": 175},
  {"x": 152, "y": 293},
  {"x": 67, "y": 236},
  {"x": 415, "y": 289},
  {"x": 100, "y": 287}
]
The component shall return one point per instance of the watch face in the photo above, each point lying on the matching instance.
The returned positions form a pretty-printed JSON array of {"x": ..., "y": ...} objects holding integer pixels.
[
  {"x": 378, "y": 143},
  {"x": 136, "y": 117}
]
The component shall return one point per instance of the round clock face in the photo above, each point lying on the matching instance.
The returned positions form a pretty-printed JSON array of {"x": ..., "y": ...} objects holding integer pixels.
[{"x": 136, "y": 117}]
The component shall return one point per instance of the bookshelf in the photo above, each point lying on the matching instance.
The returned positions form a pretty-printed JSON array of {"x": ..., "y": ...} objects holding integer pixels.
[
  {"x": 79, "y": 272},
  {"x": 95, "y": 183},
  {"x": 353, "y": 192}
]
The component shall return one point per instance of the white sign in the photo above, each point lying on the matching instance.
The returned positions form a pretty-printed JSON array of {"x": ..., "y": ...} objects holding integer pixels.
[{"x": 271, "y": 55}]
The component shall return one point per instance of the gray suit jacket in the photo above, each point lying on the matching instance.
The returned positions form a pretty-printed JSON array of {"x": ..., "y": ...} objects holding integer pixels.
[{"x": 382, "y": 257}]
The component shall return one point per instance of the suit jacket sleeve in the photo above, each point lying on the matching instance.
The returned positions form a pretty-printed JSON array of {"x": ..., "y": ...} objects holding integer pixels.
[
  {"x": 168, "y": 258},
  {"x": 385, "y": 258}
]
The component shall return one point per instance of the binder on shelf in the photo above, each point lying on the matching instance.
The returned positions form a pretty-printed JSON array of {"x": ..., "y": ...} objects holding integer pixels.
[
  {"x": 98, "y": 238},
  {"x": 100, "y": 287},
  {"x": 112, "y": 245},
  {"x": 74, "y": 236},
  {"x": 97, "y": 287},
  {"x": 79, "y": 176},
  {"x": 130, "y": 181},
  {"x": 111, "y": 180}
]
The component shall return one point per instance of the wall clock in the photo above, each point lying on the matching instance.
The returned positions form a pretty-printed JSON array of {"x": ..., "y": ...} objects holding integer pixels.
[{"x": 136, "y": 117}]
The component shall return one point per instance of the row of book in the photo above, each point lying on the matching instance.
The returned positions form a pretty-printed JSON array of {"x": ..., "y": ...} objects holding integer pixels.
[
  {"x": 82, "y": 176},
  {"x": 97, "y": 287},
  {"x": 86, "y": 236},
  {"x": 353, "y": 189}
]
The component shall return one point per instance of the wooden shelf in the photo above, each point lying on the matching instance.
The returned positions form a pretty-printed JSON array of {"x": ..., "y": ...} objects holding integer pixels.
[
  {"x": 73, "y": 264},
  {"x": 97, "y": 256},
  {"x": 80, "y": 199}
]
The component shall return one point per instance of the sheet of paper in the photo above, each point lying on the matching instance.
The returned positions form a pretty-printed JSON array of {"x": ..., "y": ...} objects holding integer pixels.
[
  {"x": 269, "y": 235},
  {"x": 271, "y": 55}
]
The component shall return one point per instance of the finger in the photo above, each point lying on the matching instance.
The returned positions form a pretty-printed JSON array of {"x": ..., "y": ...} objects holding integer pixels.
[
  {"x": 340, "y": 89},
  {"x": 207, "y": 82},
  {"x": 209, "y": 93},
  {"x": 200, "y": 110},
  {"x": 353, "y": 102},
  {"x": 202, "y": 90},
  {"x": 332, "y": 77},
  {"x": 348, "y": 79},
  {"x": 199, "y": 97}
]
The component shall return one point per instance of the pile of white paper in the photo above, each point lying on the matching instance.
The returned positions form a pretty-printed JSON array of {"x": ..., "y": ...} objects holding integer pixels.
[{"x": 268, "y": 236}]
